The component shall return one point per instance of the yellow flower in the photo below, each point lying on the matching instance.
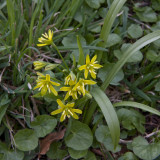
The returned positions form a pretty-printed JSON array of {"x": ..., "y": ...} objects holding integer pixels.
[
  {"x": 67, "y": 110},
  {"x": 90, "y": 66},
  {"x": 80, "y": 86},
  {"x": 45, "y": 84},
  {"x": 46, "y": 39},
  {"x": 71, "y": 76},
  {"x": 69, "y": 90},
  {"x": 39, "y": 64}
]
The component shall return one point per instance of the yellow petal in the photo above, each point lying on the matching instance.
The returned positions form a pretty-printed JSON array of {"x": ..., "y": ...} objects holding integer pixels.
[
  {"x": 47, "y": 77},
  {"x": 40, "y": 45},
  {"x": 82, "y": 67},
  {"x": 57, "y": 111},
  {"x": 70, "y": 104},
  {"x": 97, "y": 66},
  {"x": 63, "y": 116},
  {"x": 93, "y": 74},
  {"x": 44, "y": 90},
  {"x": 93, "y": 59},
  {"x": 53, "y": 90},
  {"x": 67, "y": 96},
  {"x": 60, "y": 103},
  {"x": 86, "y": 73},
  {"x": 82, "y": 89},
  {"x": 40, "y": 74},
  {"x": 89, "y": 82},
  {"x": 74, "y": 95},
  {"x": 65, "y": 89},
  {"x": 77, "y": 111},
  {"x": 55, "y": 83},
  {"x": 87, "y": 59},
  {"x": 73, "y": 114},
  {"x": 50, "y": 34}
]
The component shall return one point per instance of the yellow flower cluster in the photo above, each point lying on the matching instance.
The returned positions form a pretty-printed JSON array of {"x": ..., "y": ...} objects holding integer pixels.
[{"x": 74, "y": 85}]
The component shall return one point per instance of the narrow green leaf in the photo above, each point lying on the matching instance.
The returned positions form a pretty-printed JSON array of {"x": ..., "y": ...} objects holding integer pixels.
[
  {"x": 109, "y": 20},
  {"x": 81, "y": 54},
  {"x": 109, "y": 113},
  {"x": 137, "y": 105},
  {"x": 128, "y": 53},
  {"x": 11, "y": 17}
]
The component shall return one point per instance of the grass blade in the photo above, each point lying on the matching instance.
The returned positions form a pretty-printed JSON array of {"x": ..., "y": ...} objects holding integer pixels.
[
  {"x": 137, "y": 105},
  {"x": 109, "y": 20},
  {"x": 108, "y": 112},
  {"x": 128, "y": 53},
  {"x": 81, "y": 54}
]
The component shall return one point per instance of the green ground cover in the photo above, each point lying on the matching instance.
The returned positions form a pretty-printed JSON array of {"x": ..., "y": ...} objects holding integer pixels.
[{"x": 79, "y": 79}]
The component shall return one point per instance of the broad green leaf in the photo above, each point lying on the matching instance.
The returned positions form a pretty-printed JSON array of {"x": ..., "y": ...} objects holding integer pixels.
[
  {"x": 43, "y": 125},
  {"x": 77, "y": 154},
  {"x": 81, "y": 54},
  {"x": 145, "y": 14},
  {"x": 94, "y": 3},
  {"x": 131, "y": 119},
  {"x": 113, "y": 39},
  {"x": 55, "y": 151},
  {"x": 128, "y": 156},
  {"x": 90, "y": 156},
  {"x": 153, "y": 56},
  {"x": 157, "y": 87},
  {"x": 144, "y": 150},
  {"x": 128, "y": 53},
  {"x": 13, "y": 155},
  {"x": 26, "y": 140},
  {"x": 71, "y": 41},
  {"x": 137, "y": 105},
  {"x": 80, "y": 137},
  {"x": 103, "y": 73},
  {"x": 103, "y": 136},
  {"x": 135, "y": 31},
  {"x": 155, "y": 4},
  {"x": 109, "y": 113},
  {"x": 10, "y": 154},
  {"x": 137, "y": 57}
]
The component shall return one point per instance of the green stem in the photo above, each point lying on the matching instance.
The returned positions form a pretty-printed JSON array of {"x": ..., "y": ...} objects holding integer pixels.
[{"x": 60, "y": 56}]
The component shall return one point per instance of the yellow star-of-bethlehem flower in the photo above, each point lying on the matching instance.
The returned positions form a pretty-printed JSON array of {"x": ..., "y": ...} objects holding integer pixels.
[
  {"x": 45, "y": 84},
  {"x": 80, "y": 86},
  {"x": 71, "y": 76},
  {"x": 39, "y": 64},
  {"x": 90, "y": 66},
  {"x": 67, "y": 110},
  {"x": 69, "y": 90},
  {"x": 46, "y": 39}
]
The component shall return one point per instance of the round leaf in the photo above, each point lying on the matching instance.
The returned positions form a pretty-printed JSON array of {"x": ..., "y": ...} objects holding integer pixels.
[
  {"x": 26, "y": 140},
  {"x": 153, "y": 56},
  {"x": 144, "y": 150},
  {"x": 77, "y": 154},
  {"x": 80, "y": 137},
  {"x": 157, "y": 87},
  {"x": 135, "y": 31},
  {"x": 113, "y": 39},
  {"x": 103, "y": 136},
  {"x": 90, "y": 156},
  {"x": 43, "y": 125}
]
